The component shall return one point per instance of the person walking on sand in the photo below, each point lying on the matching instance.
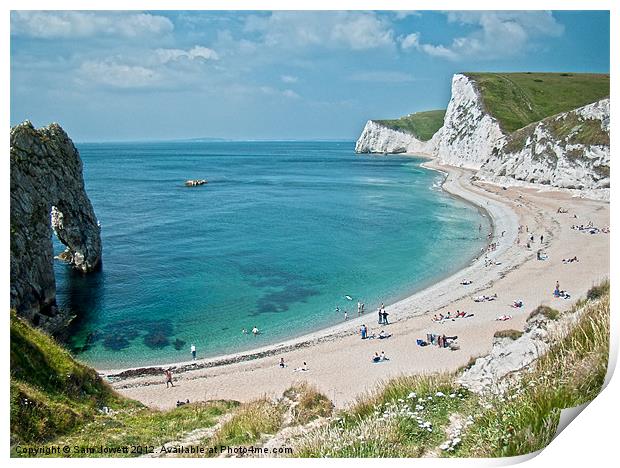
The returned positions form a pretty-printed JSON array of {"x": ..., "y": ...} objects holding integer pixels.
[
  {"x": 385, "y": 317},
  {"x": 168, "y": 375},
  {"x": 380, "y": 316},
  {"x": 541, "y": 238},
  {"x": 193, "y": 349}
]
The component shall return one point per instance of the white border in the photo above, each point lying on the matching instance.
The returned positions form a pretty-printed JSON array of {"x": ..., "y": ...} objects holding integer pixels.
[{"x": 590, "y": 441}]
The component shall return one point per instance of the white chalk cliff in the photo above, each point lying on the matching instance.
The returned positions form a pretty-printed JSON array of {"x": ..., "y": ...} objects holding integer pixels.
[
  {"x": 377, "y": 138},
  {"x": 551, "y": 152}
]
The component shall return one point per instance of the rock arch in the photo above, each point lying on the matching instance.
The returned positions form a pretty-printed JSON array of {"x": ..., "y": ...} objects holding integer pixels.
[{"x": 47, "y": 193}]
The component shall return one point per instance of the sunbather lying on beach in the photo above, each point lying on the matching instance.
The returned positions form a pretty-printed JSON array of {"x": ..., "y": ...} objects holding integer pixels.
[
  {"x": 379, "y": 358},
  {"x": 517, "y": 304},
  {"x": 485, "y": 298},
  {"x": 303, "y": 368},
  {"x": 449, "y": 316},
  {"x": 561, "y": 293},
  {"x": 466, "y": 282},
  {"x": 383, "y": 335},
  {"x": 570, "y": 260},
  {"x": 503, "y": 318}
]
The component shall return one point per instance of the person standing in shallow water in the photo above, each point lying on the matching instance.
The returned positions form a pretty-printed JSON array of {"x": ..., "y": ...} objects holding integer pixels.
[
  {"x": 193, "y": 349},
  {"x": 168, "y": 375}
]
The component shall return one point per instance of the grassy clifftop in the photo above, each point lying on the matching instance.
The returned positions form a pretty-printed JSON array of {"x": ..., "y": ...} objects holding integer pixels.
[
  {"x": 519, "y": 99},
  {"x": 423, "y": 125}
]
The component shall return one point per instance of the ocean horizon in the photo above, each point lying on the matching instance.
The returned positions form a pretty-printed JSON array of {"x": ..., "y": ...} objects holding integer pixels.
[{"x": 278, "y": 238}]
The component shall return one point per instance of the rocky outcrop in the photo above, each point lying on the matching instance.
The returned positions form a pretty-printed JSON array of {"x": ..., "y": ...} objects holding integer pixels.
[
  {"x": 377, "y": 138},
  {"x": 569, "y": 150},
  {"x": 513, "y": 354},
  {"x": 47, "y": 192}
]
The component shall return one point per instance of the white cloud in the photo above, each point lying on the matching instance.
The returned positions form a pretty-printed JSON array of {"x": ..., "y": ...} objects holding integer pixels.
[
  {"x": 79, "y": 24},
  {"x": 289, "y": 79},
  {"x": 287, "y": 93},
  {"x": 383, "y": 76},
  {"x": 497, "y": 34},
  {"x": 118, "y": 75},
  {"x": 402, "y": 14},
  {"x": 344, "y": 29},
  {"x": 196, "y": 52},
  {"x": 410, "y": 41}
]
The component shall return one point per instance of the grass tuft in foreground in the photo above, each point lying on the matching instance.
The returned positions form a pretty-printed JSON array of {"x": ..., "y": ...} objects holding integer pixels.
[
  {"x": 311, "y": 404},
  {"x": 248, "y": 423}
]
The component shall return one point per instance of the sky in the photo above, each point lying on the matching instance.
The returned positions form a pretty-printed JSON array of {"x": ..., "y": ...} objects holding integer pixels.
[{"x": 156, "y": 75}]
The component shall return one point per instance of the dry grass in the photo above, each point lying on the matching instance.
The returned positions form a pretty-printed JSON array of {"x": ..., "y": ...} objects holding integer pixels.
[{"x": 311, "y": 404}]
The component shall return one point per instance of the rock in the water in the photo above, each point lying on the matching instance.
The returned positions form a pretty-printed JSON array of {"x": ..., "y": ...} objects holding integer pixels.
[{"x": 47, "y": 192}]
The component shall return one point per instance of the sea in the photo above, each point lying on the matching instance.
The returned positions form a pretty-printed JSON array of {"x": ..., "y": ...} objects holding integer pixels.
[{"x": 281, "y": 235}]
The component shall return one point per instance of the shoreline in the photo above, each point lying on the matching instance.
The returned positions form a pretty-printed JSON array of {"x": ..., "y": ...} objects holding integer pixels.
[
  {"x": 338, "y": 363},
  {"x": 498, "y": 214}
]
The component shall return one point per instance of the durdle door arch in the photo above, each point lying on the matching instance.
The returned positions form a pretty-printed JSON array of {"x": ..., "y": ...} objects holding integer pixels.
[{"x": 47, "y": 195}]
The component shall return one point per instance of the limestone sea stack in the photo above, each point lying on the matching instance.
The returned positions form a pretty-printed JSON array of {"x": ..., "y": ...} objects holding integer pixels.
[{"x": 47, "y": 193}]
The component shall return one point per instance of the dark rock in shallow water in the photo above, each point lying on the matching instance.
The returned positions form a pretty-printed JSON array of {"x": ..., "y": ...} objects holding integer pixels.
[
  {"x": 156, "y": 340},
  {"x": 115, "y": 342},
  {"x": 47, "y": 192},
  {"x": 179, "y": 344}
]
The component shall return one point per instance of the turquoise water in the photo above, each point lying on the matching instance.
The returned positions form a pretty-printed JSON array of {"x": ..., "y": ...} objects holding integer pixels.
[{"x": 277, "y": 238}]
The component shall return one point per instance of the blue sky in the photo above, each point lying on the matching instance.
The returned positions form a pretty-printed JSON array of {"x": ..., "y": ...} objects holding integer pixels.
[{"x": 272, "y": 75}]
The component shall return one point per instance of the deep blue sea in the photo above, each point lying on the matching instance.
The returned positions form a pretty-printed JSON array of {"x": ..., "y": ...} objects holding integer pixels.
[{"x": 281, "y": 233}]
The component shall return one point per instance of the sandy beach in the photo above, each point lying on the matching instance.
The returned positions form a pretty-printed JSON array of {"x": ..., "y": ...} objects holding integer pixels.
[{"x": 339, "y": 361}]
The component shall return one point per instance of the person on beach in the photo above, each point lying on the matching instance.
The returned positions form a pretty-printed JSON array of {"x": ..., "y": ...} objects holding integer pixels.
[
  {"x": 282, "y": 365},
  {"x": 303, "y": 368},
  {"x": 359, "y": 308},
  {"x": 346, "y": 316},
  {"x": 363, "y": 331},
  {"x": 168, "y": 375},
  {"x": 380, "y": 316},
  {"x": 255, "y": 330},
  {"x": 385, "y": 317},
  {"x": 376, "y": 358},
  {"x": 362, "y": 308},
  {"x": 193, "y": 349},
  {"x": 541, "y": 238},
  {"x": 382, "y": 356}
]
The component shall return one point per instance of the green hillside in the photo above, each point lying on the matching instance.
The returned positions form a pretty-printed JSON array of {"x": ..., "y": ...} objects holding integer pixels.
[
  {"x": 518, "y": 99},
  {"x": 423, "y": 125},
  {"x": 59, "y": 401}
]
